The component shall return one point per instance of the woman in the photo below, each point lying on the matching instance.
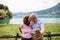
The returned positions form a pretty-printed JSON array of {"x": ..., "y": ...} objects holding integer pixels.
[
  {"x": 37, "y": 26},
  {"x": 25, "y": 29}
]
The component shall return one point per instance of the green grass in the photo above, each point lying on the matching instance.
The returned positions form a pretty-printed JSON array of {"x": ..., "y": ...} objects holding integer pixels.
[
  {"x": 7, "y": 29},
  {"x": 12, "y": 29},
  {"x": 52, "y": 27}
]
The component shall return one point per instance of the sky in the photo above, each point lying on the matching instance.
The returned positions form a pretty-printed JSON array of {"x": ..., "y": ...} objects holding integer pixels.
[{"x": 28, "y": 5}]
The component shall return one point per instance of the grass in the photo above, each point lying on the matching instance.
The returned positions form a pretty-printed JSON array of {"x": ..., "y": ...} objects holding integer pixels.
[
  {"x": 52, "y": 27},
  {"x": 12, "y": 29}
]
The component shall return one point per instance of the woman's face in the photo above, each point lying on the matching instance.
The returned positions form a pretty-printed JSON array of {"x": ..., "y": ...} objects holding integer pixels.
[{"x": 31, "y": 19}]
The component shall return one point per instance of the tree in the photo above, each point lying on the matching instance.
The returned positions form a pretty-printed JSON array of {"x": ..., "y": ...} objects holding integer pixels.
[
  {"x": 4, "y": 13},
  {"x": 1, "y": 6}
]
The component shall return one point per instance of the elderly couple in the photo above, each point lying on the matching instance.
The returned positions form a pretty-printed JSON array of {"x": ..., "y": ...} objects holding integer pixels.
[{"x": 32, "y": 28}]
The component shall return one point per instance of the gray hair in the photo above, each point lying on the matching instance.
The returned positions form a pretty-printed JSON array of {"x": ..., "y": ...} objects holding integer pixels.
[{"x": 33, "y": 15}]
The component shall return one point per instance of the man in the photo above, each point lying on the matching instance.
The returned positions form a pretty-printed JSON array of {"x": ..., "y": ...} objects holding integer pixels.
[{"x": 37, "y": 26}]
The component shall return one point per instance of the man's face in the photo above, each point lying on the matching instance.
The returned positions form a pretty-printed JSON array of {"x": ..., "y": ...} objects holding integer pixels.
[{"x": 31, "y": 19}]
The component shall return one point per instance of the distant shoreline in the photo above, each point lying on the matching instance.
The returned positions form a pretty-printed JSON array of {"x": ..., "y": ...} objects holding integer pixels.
[{"x": 45, "y": 20}]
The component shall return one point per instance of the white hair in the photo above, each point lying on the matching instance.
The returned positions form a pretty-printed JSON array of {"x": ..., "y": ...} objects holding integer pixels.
[{"x": 33, "y": 15}]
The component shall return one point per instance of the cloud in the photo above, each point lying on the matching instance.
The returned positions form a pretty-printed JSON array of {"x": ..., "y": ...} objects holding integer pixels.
[{"x": 28, "y": 5}]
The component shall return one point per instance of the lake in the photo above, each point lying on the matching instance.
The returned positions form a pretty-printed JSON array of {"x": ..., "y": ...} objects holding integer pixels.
[{"x": 45, "y": 20}]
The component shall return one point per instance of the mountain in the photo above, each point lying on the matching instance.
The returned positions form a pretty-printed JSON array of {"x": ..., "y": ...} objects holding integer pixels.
[
  {"x": 54, "y": 11},
  {"x": 50, "y": 10}
]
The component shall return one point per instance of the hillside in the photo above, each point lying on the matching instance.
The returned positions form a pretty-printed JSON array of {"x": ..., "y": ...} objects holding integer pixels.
[{"x": 52, "y": 12}]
